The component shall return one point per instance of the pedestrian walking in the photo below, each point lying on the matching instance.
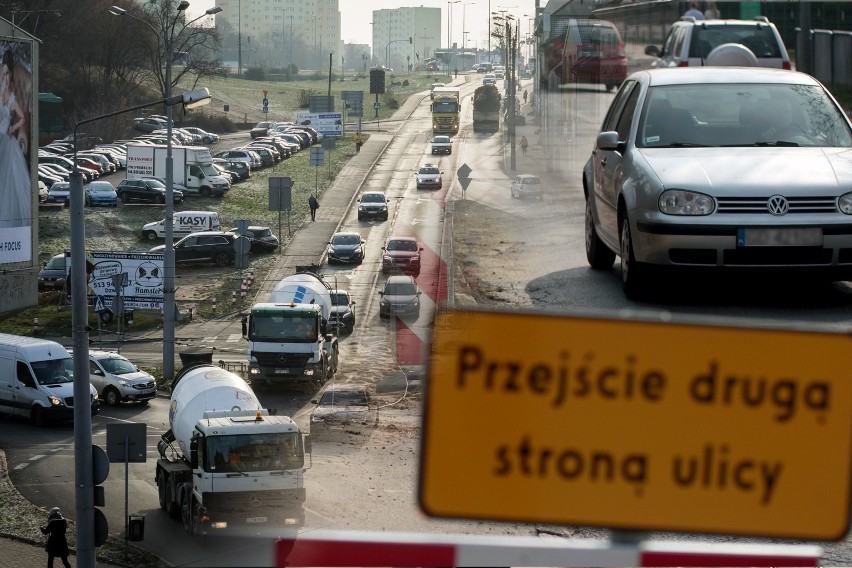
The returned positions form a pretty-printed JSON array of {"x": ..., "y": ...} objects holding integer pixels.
[
  {"x": 314, "y": 205},
  {"x": 56, "y": 545},
  {"x": 525, "y": 97},
  {"x": 524, "y": 145},
  {"x": 456, "y": 71},
  {"x": 244, "y": 323},
  {"x": 359, "y": 141}
]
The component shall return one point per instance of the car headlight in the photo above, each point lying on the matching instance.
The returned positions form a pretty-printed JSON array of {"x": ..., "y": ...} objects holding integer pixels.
[
  {"x": 330, "y": 249},
  {"x": 845, "y": 204},
  {"x": 680, "y": 202},
  {"x": 55, "y": 400},
  {"x": 362, "y": 207},
  {"x": 384, "y": 301},
  {"x": 123, "y": 382}
]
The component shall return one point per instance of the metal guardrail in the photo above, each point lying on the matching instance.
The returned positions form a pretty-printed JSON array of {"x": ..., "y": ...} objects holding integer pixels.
[{"x": 236, "y": 367}]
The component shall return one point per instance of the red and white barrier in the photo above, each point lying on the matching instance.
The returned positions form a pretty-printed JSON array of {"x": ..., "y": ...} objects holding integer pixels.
[{"x": 362, "y": 548}]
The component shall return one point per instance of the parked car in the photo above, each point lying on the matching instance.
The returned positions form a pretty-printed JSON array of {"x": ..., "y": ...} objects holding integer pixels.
[
  {"x": 53, "y": 274},
  {"x": 59, "y": 192},
  {"x": 262, "y": 238},
  {"x": 106, "y": 163},
  {"x": 42, "y": 191},
  {"x": 400, "y": 296},
  {"x": 260, "y": 129},
  {"x": 204, "y": 246},
  {"x": 237, "y": 155},
  {"x": 205, "y": 137},
  {"x": 401, "y": 254},
  {"x": 527, "y": 185},
  {"x": 373, "y": 205},
  {"x": 241, "y": 169},
  {"x": 593, "y": 53},
  {"x": 267, "y": 157},
  {"x": 692, "y": 43},
  {"x": 149, "y": 124},
  {"x": 720, "y": 167},
  {"x": 342, "y": 315},
  {"x": 149, "y": 190},
  {"x": 342, "y": 406},
  {"x": 429, "y": 176},
  {"x": 118, "y": 380},
  {"x": 101, "y": 193},
  {"x": 346, "y": 246}
]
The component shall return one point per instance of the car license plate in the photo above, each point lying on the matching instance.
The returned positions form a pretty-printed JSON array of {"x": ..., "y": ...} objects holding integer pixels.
[
  {"x": 780, "y": 237},
  {"x": 282, "y": 371},
  {"x": 256, "y": 520}
]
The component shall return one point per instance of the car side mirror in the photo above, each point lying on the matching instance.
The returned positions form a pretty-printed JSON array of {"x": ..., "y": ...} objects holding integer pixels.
[
  {"x": 652, "y": 50},
  {"x": 352, "y": 303},
  {"x": 381, "y": 293},
  {"x": 314, "y": 401},
  {"x": 420, "y": 249},
  {"x": 98, "y": 372},
  {"x": 419, "y": 292}
]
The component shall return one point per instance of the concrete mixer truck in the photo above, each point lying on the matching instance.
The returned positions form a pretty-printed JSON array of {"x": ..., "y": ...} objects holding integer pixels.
[
  {"x": 289, "y": 337},
  {"x": 226, "y": 463}
]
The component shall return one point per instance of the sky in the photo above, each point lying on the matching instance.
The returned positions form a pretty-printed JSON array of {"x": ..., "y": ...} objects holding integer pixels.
[{"x": 356, "y": 15}]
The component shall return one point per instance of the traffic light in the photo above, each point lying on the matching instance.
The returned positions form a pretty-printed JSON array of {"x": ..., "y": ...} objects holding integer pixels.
[
  {"x": 377, "y": 81},
  {"x": 100, "y": 471}
]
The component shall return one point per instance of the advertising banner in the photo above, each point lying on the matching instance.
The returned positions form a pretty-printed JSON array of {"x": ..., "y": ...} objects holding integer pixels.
[
  {"x": 326, "y": 123},
  {"x": 16, "y": 192},
  {"x": 141, "y": 288}
]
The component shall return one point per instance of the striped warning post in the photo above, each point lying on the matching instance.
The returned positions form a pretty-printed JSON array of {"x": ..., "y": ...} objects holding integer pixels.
[{"x": 364, "y": 548}]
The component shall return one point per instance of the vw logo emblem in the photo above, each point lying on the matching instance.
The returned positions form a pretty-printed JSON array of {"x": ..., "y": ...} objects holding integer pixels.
[
  {"x": 254, "y": 500},
  {"x": 778, "y": 205}
]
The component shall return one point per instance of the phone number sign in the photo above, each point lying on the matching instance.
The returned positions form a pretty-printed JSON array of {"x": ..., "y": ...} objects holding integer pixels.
[
  {"x": 143, "y": 286},
  {"x": 638, "y": 425}
]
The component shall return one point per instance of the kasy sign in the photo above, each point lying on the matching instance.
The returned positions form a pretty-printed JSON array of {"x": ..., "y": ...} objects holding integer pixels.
[{"x": 638, "y": 425}]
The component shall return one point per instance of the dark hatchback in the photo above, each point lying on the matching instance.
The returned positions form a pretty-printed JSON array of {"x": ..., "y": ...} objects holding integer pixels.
[
  {"x": 149, "y": 190},
  {"x": 205, "y": 246},
  {"x": 262, "y": 238}
]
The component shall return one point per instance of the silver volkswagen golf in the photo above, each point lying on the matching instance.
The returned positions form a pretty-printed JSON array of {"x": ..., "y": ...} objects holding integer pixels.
[{"x": 720, "y": 167}]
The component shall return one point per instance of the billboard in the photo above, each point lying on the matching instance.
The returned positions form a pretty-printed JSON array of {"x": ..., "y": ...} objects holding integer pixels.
[
  {"x": 326, "y": 123},
  {"x": 16, "y": 194},
  {"x": 142, "y": 284}
]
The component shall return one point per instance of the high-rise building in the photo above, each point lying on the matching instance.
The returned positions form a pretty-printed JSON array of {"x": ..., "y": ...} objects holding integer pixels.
[
  {"x": 277, "y": 33},
  {"x": 404, "y": 37}
]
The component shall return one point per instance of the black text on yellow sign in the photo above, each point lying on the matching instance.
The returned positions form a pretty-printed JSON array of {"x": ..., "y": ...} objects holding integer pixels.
[{"x": 638, "y": 425}]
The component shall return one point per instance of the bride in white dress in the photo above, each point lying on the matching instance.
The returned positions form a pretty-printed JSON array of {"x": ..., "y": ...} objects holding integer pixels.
[{"x": 15, "y": 190}]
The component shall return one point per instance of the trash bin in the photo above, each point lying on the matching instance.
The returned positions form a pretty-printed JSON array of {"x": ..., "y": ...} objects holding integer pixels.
[
  {"x": 196, "y": 356},
  {"x": 136, "y": 527}
]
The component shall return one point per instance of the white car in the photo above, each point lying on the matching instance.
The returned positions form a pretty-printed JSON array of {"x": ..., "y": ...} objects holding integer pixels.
[
  {"x": 118, "y": 380},
  {"x": 204, "y": 136}
]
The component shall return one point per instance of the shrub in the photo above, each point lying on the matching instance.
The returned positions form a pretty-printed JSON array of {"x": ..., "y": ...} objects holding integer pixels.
[
  {"x": 255, "y": 74},
  {"x": 305, "y": 97}
]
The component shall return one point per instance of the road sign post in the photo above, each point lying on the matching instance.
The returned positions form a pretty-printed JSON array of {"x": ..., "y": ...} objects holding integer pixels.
[{"x": 638, "y": 425}]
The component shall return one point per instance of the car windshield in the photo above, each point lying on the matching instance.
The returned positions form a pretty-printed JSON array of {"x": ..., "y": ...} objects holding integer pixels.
[
  {"x": 402, "y": 245},
  {"x": 54, "y": 372},
  {"x": 345, "y": 240},
  {"x": 400, "y": 289},
  {"x": 741, "y": 115},
  {"x": 100, "y": 186},
  {"x": 340, "y": 299},
  {"x": 760, "y": 39},
  {"x": 117, "y": 366},
  {"x": 155, "y": 183},
  {"x": 429, "y": 171},
  {"x": 530, "y": 181},
  {"x": 56, "y": 263},
  {"x": 445, "y": 106},
  {"x": 260, "y": 233},
  {"x": 373, "y": 198},
  {"x": 252, "y": 452},
  {"x": 344, "y": 397},
  {"x": 441, "y": 139}
]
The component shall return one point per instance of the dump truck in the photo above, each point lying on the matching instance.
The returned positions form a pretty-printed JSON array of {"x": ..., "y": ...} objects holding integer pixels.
[
  {"x": 289, "y": 336},
  {"x": 486, "y": 109},
  {"x": 446, "y": 109},
  {"x": 226, "y": 462}
]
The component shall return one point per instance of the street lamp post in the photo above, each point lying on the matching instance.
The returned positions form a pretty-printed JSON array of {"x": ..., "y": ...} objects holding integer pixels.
[
  {"x": 239, "y": 38},
  {"x": 169, "y": 308},
  {"x": 450, "y": 31},
  {"x": 88, "y": 525},
  {"x": 464, "y": 25}
]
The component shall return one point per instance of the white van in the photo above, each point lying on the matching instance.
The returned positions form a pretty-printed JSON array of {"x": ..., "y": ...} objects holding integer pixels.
[
  {"x": 184, "y": 223},
  {"x": 37, "y": 380}
]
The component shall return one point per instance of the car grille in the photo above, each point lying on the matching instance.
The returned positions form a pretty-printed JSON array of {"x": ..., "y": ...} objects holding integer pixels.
[
  {"x": 751, "y": 205},
  {"x": 144, "y": 386},
  {"x": 69, "y": 402},
  {"x": 281, "y": 359}
]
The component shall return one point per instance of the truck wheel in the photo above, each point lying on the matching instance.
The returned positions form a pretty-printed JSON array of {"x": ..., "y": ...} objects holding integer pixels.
[
  {"x": 161, "y": 199},
  {"x": 149, "y": 235},
  {"x": 222, "y": 259},
  {"x": 111, "y": 397},
  {"x": 186, "y": 516},
  {"x": 125, "y": 198},
  {"x": 172, "y": 508},
  {"x": 164, "y": 499}
]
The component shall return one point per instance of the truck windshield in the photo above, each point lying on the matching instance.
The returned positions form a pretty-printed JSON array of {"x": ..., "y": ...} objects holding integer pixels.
[
  {"x": 272, "y": 327},
  {"x": 54, "y": 372},
  {"x": 254, "y": 452},
  {"x": 445, "y": 106},
  {"x": 210, "y": 171}
]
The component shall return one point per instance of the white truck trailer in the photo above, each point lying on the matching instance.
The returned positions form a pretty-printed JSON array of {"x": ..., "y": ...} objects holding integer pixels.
[
  {"x": 236, "y": 466},
  {"x": 290, "y": 339},
  {"x": 192, "y": 166}
]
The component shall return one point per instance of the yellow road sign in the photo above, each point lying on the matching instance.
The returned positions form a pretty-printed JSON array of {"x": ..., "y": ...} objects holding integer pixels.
[{"x": 638, "y": 425}]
